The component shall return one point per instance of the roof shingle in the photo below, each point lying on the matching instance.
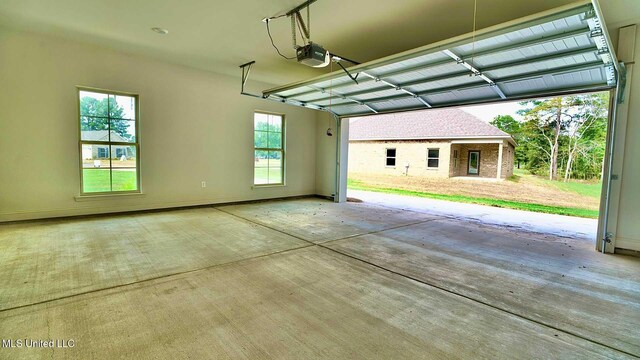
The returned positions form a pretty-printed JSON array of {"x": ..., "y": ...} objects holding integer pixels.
[{"x": 423, "y": 124}]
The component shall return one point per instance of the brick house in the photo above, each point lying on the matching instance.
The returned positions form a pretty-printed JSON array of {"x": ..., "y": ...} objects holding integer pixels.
[{"x": 435, "y": 143}]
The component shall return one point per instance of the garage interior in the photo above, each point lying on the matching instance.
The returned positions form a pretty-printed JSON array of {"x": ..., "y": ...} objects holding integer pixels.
[{"x": 201, "y": 261}]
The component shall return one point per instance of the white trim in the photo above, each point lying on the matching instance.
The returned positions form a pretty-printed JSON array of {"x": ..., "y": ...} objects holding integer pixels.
[
  {"x": 487, "y": 141},
  {"x": 454, "y": 139},
  {"x": 107, "y": 196}
]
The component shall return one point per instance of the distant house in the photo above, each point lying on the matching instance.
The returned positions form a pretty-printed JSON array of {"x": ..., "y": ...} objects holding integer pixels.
[
  {"x": 436, "y": 143},
  {"x": 102, "y": 151}
]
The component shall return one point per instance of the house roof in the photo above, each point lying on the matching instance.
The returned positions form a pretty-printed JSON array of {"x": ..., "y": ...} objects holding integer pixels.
[
  {"x": 101, "y": 135},
  {"x": 449, "y": 123}
]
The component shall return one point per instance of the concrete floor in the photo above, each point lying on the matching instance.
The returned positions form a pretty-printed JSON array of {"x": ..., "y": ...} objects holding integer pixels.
[{"x": 311, "y": 279}]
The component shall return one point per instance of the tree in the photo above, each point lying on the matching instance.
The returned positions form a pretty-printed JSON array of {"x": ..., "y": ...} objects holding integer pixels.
[
  {"x": 547, "y": 119},
  {"x": 592, "y": 113},
  {"x": 507, "y": 124},
  {"x": 566, "y": 134},
  {"x": 512, "y": 127},
  {"x": 95, "y": 114}
]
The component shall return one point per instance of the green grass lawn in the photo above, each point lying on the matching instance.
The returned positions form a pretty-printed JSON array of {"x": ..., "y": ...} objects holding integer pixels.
[
  {"x": 98, "y": 180},
  {"x": 261, "y": 175},
  {"x": 358, "y": 185},
  {"x": 582, "y": 188},
  {"x": 585, "y": 188}
]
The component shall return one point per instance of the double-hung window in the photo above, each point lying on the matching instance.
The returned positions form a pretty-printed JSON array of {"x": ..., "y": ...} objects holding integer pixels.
[
  {"x": 268, "y": 149},
  {"x": 109, "y": 142},
  {"x": 390, "y": 159},
  {"x": 433, "y": 158}
]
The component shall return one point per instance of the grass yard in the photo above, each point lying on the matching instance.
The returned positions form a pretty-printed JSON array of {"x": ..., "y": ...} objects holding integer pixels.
[
  {"x": 522, "y": 192},
  {"x": 267, "y": 171},
  {"x": 98, "y": 180},
  {"x": 267, "y": 176},
  {"x": 583, "y": 188}
]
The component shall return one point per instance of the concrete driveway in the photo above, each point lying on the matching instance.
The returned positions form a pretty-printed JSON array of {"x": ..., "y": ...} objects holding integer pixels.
[{"x": 557, "y": 225}]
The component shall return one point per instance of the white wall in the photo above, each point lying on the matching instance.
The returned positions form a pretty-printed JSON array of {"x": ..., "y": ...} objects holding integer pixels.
[
  {"x": 625, "y": 223},
  {"x": 194, "y": 126},
  {"x": 326, "y": 154}
]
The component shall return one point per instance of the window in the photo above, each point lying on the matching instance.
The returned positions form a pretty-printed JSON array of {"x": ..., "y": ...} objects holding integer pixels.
[
  {"x": 455, "y": 159},
  {"x": 433, "y": 158},
  {"x": 109, "y": 147},
  {"x": 268, "y": 146},
  {"x": 391, "y": 157},
  {"x": 103, "y": 152}
]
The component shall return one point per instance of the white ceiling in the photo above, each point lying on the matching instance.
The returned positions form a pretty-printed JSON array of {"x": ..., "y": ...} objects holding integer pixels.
[{"x": 218, "y": 35}]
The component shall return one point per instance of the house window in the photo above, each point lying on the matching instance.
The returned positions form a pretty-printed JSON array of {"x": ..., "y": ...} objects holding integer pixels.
[
  {"x": 391, "y": 157},
  {"x": 433, "y": 158},
  {"x": 108, "y": 130},
  {"x": 455, "y": 159},
  {"x": 268, "y": 148},
  {"x": 103, "y": 152}
]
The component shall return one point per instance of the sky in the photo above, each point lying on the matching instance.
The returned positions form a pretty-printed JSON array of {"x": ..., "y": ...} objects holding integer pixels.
[{"x": 490, "y": 111}]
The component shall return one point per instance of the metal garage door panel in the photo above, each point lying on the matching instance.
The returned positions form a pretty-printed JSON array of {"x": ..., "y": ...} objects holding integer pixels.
[{"x": 561, "y": 50}]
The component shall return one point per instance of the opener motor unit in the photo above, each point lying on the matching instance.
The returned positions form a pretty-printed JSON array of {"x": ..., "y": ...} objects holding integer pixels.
[{"x": 313, "y": 55}]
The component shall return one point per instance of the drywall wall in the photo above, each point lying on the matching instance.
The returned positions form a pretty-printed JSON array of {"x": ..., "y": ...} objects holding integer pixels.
[
  {"x": 325, "y": 154},
  {"x": 624, "y": 222},
  {"x": 194, "y": 127}
]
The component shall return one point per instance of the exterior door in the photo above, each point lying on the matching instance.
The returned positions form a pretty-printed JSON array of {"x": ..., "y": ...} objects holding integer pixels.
[{"x": 474, "y": 163}]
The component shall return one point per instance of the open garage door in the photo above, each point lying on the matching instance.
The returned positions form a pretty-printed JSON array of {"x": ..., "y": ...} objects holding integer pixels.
[{"x": 560, "y": 51}]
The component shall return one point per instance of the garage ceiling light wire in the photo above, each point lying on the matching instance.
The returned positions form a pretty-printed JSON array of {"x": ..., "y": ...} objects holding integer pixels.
[{"x": 271, "y": 38}]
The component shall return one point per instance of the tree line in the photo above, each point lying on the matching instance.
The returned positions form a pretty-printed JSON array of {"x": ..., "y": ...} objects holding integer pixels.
[{"x": 561, "y": 137}]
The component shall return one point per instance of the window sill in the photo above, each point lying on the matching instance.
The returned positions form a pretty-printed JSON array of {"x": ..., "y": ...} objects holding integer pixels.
[
  {"x": 267, "y": 186},
  {"x": 106, "y": 196}
]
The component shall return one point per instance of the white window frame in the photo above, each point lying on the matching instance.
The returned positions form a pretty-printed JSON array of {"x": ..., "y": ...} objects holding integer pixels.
[
  {"x": 281, "y": 149},
  {"x": 109, "y": 144},
  {"x": 433, "y": 158},
  {"x": 387, "y": 157}
]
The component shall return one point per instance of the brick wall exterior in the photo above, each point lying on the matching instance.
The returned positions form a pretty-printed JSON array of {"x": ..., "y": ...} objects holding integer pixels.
[
  {"x": 370, "y": 157},
  {"x": 488, "y": 159}
]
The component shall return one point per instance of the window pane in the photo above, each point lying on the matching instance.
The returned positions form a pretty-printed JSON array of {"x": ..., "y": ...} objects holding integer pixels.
[
  {"x": 275, "y": 167},
  {"x": 94, "y": 129},
  {"x": 275, "y": 140},
  {"x": 95, "y": 168},
  {"x": 122, "y": 107},
  {"x": 261, "y": 168},
  {"x": 260, "y": 139},
  {"x": 93, "y": 104},
  {"x": 391, "y": 162},
  {"x": 433, "y": 163},
  {"x": 123, "y": 131},
  {"x": 434, "y": 153},
  {"x": 260, "y": 122},
  {"x": 391, "y": 152},
  {"x": 96, "y": 180},
  {"x": 275, "y": 123},
  {"x": 123, "y": 168}
]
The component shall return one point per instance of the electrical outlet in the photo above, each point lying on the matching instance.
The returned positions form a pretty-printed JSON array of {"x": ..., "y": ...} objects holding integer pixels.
[{"x": 204, "y": 184}]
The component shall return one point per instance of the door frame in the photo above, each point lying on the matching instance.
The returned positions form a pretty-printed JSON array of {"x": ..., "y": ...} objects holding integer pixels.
[{"x": 469, "y": 162}]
